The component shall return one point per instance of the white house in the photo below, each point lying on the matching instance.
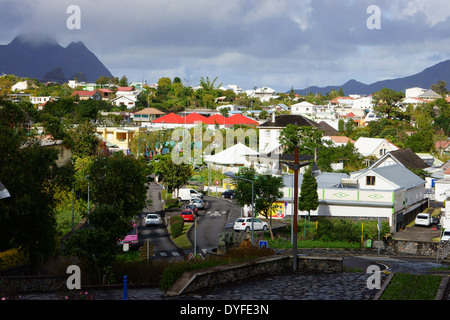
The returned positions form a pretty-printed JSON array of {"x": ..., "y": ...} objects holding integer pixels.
[
  {"x": 441, "y": 186},
  {"x": 264, "y": 94},
  {"x": 374, "y": 147},
  {"x": 269, "y": 131},
  {"x": 363, "y": 103},
  {"x": 236, "y": 89},
  {"x": 42, "y": 100},
  {"x": 22, "y": 85},
  {"x": 405, "y": 157},
  {"x": 128, "y": 101},
  {"x": 392, "y": 193},
  {"x": 304, "y": 108},
  {"x": 414, "y": 92},
  {"x": 126, "y": 96}
]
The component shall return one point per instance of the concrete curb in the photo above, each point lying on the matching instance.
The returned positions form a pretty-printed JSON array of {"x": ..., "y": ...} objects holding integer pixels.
[
  {"x": 383, "y": 286},
  {"x": 442, "y": 287}
]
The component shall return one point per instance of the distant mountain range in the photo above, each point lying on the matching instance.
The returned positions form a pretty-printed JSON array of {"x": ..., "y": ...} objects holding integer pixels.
[
  {"x": 424, "y": 79},
  {"x": 46, "y": 60}
]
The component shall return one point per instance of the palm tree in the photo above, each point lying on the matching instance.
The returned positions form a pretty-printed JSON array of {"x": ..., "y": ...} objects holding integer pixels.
[{"x": 207, "y": 85}]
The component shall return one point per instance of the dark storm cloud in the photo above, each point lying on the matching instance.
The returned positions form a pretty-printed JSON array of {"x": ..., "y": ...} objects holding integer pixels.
[{"x": 277, "y": 43}]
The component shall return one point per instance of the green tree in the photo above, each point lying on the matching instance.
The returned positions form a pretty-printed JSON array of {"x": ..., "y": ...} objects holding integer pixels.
[
  {"x": 386, "y": 101},
  {"x": 174, "y": 176},
  {"x": 208, "y": 85},
  {"x": 422, "y": 141},
  {"x": 97, "y": 244},
  {"x": 440, "y": 88},
  {"x": 119, "y": 181},
  {"x": 26, "y": 220},
  {"x": 309, "y": 199},
  {"x": 308, "y": 139},
  {"x": 82, "y": 139},
  {"x": 268, "y": 191},
  {"x": 243, "y": 187},
  {"x": 341, "y": 125},
  {"x": 123, "y": 81}
]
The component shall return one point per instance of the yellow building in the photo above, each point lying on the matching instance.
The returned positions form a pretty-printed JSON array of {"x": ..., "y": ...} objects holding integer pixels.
[{"x": 119, "y": 136}]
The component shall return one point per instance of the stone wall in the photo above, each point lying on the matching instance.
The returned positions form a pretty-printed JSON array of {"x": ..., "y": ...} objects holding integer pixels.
[
  {"x": 411, "y": 247},
  {"x": 198, "y": 279},
  {"x": 32, "y": 284}
]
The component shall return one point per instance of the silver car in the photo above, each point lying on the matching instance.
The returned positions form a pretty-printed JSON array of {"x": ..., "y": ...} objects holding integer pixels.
[
  {"x": 199, "y": 203},
  {"x": 152, "y": 219}
]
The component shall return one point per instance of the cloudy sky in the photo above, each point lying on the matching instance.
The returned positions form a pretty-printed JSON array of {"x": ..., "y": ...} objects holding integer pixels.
[{"x": 275, "y": 43}]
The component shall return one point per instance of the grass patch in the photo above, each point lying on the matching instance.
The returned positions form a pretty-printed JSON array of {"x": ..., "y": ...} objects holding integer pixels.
[
  {"x": 283, "y": 243},
  {"x": 405, "y": 286},
  {"x": 182, "y": 240}
]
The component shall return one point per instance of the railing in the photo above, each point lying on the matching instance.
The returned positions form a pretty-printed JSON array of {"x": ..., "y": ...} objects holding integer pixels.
[{"x": 443, "y": 250}]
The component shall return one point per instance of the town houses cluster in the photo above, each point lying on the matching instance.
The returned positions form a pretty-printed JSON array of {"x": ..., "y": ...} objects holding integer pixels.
[{"x": 387, "y": 188}]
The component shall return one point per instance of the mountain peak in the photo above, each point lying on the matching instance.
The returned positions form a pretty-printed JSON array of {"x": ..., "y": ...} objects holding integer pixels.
[
  {"x": 424, "y": 79},
  {"x": 34, "y": 40},
  {"x": 38, "y": 56}
]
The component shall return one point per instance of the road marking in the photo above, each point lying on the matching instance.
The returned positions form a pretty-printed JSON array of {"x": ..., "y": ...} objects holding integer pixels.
[
  {"x": 175, "y": 253},
  {"x": 163, "y": 254}
]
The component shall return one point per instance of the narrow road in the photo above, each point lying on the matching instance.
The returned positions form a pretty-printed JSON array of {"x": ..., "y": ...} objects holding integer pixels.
[{"x": 158, "y": 236}]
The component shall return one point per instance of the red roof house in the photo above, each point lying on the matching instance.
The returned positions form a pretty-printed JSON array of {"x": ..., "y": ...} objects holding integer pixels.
[
  {"x": 194, "y": 117},
  {"x": 170, "y": 118},
  {"x": 240, "y": 119}
]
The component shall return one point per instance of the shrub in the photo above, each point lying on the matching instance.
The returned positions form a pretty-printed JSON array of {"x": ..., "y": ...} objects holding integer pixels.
[
  {"x": 176, "y": 229},
  {"x": 176, "y": 224},
  {"x": 11, "y": 258},
  {"x": 172, "y": 203},
  {"x": 171, "y": 274}
]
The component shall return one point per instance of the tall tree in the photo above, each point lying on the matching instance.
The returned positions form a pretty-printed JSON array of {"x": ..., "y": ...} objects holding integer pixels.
[
  {"x": 26, "y": 219},
  {"x": 309, "y": 199},
  {"x": 174, "y": 176},
  {"x": 119, "y": 181},
  {"x": 82, "y": 139},
  {"x": 386, "y": 101},
  {"x": 208, "y": 85},
  {"x": 244, "y": 187}
]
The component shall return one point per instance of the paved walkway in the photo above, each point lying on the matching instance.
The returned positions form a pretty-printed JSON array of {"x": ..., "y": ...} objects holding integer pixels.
[{"x": 286, "y": 286}]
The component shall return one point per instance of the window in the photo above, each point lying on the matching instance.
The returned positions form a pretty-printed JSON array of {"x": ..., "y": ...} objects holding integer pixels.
[{"x": 370, "y": 180}]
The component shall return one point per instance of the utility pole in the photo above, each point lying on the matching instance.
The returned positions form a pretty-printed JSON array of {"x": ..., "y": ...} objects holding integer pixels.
[{"x": 294, "y": 234}]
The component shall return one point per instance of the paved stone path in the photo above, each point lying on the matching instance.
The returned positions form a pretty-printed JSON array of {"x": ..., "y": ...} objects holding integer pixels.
[
  {"x": 285, "y": 286},
  {"x": 288, "y": 286}
]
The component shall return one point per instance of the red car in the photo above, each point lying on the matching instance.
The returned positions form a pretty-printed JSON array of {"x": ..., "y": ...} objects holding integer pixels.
[{"x": 187, "y": 215}]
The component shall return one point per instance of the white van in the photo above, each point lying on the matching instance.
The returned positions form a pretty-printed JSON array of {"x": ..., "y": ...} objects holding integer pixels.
[{"x": 188, "y": 194}]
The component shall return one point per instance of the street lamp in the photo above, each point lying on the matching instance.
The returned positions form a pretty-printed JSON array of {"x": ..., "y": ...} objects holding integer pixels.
[
  {"x": 73, "y": 201},
  {"x": 232, "y": 175}
]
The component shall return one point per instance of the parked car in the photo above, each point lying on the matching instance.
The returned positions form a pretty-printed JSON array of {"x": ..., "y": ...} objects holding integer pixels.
[
  {"x": 229, "y": 194},
  {"x": 192, "y": 207},
  {"x": 199, "y": 203},
  {"x": 245, "y": 224},
  {"x": 187, "y": 215},
  {"x": 132, "y": 237},
  {"x": 445, "y": 236},
  {"x": 423, "y": 219},
  {"x": 152, "y": 219}
]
